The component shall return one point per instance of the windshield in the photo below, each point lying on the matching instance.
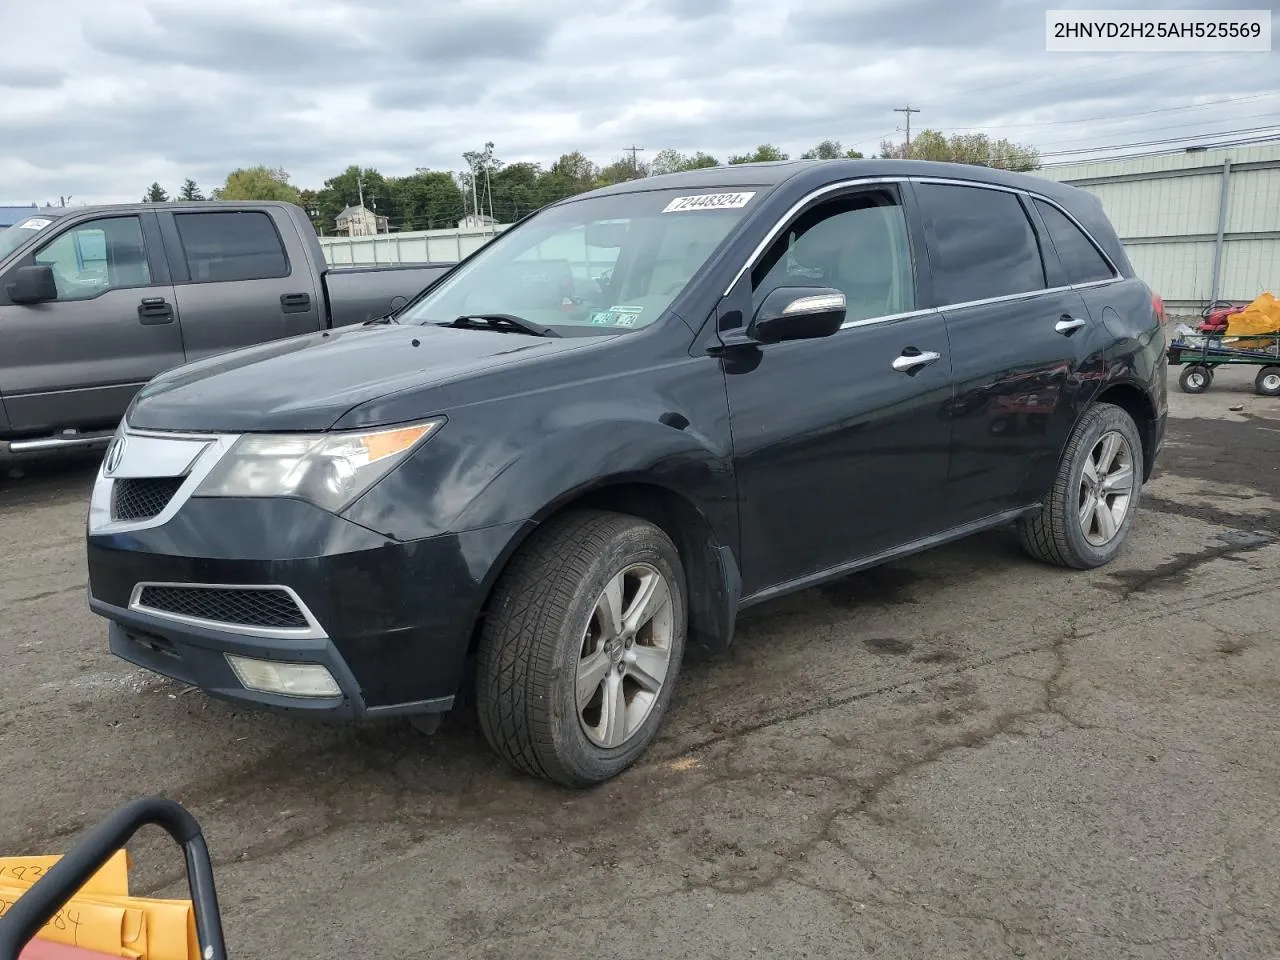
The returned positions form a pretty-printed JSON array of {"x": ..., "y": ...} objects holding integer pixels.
[
  {"x": 19, "y": 233},
  {"x": 603, "y": 264}
]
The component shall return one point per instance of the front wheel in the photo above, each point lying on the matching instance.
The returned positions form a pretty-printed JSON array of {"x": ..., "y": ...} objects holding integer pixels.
[
  {"x": 581, "y": 647},
  {"x": 1196, "y": 378},
  {"x": 1267, "y": 383},
  {"x": 1088, "y": 514}
]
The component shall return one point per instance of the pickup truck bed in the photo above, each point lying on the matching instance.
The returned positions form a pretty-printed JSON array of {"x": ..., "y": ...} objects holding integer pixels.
[{"x": 95, "y": 301}]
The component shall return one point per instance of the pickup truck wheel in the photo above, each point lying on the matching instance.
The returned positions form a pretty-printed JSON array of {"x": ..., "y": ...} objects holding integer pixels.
[
  {"x": 1089, "y": 512},
  {"x": 581, "y": 647}
]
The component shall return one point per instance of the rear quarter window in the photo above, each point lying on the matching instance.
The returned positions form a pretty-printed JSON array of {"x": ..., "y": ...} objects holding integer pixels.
[
  {"x": 982, "y": 245},
  {"x": 1081, "y": 261}
]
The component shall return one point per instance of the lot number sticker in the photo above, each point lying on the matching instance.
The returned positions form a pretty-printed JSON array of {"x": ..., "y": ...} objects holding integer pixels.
[{"x": 709, "y": 201}]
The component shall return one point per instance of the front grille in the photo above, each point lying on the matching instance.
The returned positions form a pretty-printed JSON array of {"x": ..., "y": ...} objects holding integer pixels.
[
  {"x": 142, "y": 499},
  {"x": 260, "y": 607}
]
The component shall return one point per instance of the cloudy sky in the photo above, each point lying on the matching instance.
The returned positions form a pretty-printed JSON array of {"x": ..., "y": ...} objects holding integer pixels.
[{"x": 98, "y": 98}]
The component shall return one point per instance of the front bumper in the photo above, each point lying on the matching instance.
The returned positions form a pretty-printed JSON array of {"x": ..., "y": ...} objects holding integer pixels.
[{"x": 390, "y": 621}]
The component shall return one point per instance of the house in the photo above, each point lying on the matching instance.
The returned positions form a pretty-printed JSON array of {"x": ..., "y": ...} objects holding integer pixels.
[
  {"x": 359, "y": 221},
  {"x": 473, "y": 222}
]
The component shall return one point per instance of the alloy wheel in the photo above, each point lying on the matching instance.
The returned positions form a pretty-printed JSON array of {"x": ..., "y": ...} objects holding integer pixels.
[
  {"x": 625, "y": 655},
  {"x": 1106, "y": 488}
]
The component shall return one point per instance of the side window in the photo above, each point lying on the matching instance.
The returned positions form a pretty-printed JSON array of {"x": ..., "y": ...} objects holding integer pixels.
[
  {"x": 984, "y": 245},
  {"x": 857, "y": 245},
  {"x": 97, "y": 256},
  {"x": 236, "y": 245},
  {"x": 1080, "y": 259}
]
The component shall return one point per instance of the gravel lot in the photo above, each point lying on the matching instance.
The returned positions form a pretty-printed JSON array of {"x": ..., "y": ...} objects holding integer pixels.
[{"x": 962, "y": 755}]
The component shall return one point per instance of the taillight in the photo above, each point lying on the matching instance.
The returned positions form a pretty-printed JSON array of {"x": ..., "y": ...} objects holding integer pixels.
[{"x": 1158, "y": 305}]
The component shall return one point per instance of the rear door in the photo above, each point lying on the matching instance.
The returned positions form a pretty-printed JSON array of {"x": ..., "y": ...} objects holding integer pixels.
[
  {"x": 79, "y": 360},
  {"x": 1022, "y": 343},
  {"x": 235, "y": 282}
]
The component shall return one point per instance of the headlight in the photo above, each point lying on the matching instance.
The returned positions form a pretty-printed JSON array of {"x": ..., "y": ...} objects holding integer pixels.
[{"x": 327, "y": 469}]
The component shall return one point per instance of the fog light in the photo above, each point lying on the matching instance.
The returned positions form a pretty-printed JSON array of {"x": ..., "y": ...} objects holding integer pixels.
[{"x": 288, "y": 679}]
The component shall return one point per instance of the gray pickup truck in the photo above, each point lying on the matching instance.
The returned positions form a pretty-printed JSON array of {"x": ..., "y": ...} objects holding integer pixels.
[{"x": 95, "y": 301}]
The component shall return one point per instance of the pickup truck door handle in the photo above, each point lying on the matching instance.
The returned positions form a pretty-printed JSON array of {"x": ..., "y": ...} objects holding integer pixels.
[
  {"x": 1069, "y": 324},
  {"x": 153, "y": 310},
  {"x": 295, "y": 302},
  {"x": 913, "y": 359}
]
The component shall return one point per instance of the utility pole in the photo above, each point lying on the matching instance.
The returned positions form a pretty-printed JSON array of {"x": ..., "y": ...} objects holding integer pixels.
[
  {"x": 908, "y": 110},
  {"x": 633, "y": 150}
]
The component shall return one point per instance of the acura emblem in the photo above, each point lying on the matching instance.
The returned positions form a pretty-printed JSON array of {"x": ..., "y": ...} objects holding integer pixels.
[{"x": 115, "y": 453}]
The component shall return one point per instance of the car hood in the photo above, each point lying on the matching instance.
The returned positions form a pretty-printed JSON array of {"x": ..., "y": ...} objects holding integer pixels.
[{"x": 309, "y": 382}]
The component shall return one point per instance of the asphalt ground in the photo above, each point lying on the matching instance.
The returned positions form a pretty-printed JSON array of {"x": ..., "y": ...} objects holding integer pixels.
[{"x": 962, "y": 755}]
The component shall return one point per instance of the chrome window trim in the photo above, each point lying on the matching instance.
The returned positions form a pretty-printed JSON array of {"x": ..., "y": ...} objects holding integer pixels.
[
  {"x": 313, "y": 630},
  {"x": 830, "y": 188}
]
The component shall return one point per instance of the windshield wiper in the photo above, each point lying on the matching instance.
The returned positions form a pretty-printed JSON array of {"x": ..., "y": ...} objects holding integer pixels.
[
  {"x": 508, "y": 320},
  {"x": 385, "y": 318}
]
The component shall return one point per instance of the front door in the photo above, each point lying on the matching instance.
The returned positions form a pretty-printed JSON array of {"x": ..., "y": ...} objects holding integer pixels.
[
  {"x": 840, "y": 443},
  {"x": 1022, "y": 343},
  {"x": 79, "y": 360}
]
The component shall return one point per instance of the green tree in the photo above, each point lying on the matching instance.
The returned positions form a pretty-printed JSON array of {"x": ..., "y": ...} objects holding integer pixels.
[
  {"x": 155, "y": 194},
  {"x": 673, "y": 161},
  {"x": 515, "y": 190},
  {"x": 307, "y": 201},
  {"x": 620, "y": 171},
  {"x": 190, "y": 190},
  {"x": 258, "y": 183},
  {"x": 830, "y": 150},
  {"x": 764, "y": 153},
  {"x": 427, "y": 200},
  {"x": 344, "y": 191},
  {"x": 972, "y": 148},
  {"x": 570, "y": 175}
]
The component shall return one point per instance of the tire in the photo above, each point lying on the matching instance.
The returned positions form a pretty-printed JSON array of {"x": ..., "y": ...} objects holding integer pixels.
[
  {"x": 545, "y": 626},
  {"x": 1062, "y": 533},
  {"x": 1267, "y": 383},
  {"x": 1196, "y": 378}
]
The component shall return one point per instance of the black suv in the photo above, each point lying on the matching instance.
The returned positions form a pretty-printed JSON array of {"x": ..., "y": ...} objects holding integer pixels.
[{"x": 590, "y": 445}]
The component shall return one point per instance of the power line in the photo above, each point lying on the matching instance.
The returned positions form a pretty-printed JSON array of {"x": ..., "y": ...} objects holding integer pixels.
[
  {"x": 633, "y": 150},
  {"x": 1174, "y": 126},
  {"x": 1218, "y": 145},
  {"x": 1161, "y": 142},
  {"x": 1119, "y": 116}
]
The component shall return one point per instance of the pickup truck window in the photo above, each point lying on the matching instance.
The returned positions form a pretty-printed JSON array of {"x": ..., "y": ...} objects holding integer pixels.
[
  {"x": 97, "y": 256},
  {"x": 985, "y": 246},
  {"x": 857, "y": 245},
  {"x": 602, "y": 264},
  {"x": 235, "y": 245},
  {"x": 13, "y": 237}
]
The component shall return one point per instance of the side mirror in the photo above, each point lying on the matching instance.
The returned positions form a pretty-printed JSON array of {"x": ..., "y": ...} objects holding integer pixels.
[
  {"x": 33, "y": 285},
  {"x": 798, "y": 313}
]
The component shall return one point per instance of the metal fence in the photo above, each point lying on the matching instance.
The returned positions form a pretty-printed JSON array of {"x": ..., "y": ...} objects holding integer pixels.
[{"x": 420, "y": 246}]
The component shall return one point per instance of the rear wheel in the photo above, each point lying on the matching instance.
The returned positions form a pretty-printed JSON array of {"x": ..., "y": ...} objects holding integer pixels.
[
  {"x": 581, "y": 647},
  {"x": 1089, "y": 512},
  {"x": 1196, "y": 378},
  {"x": 1267, "y": 383}
]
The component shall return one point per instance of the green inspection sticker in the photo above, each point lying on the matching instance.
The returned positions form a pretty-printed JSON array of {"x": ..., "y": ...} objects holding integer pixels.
[{"x": 616, "y": 316}]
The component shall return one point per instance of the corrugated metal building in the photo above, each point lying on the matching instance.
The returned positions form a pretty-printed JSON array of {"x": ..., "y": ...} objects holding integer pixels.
[{"x": 1200, "y": 225}]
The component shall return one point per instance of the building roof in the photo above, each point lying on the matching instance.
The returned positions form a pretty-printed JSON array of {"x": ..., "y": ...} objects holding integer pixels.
[
  {"x": 11, "y": 215},
  {"x": 355, "y": 210}
]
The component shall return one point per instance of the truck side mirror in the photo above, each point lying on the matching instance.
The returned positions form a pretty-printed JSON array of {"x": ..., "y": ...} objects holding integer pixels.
[
  {"x": 33, "y": 285},
  {"x": 798, "y": 313}
]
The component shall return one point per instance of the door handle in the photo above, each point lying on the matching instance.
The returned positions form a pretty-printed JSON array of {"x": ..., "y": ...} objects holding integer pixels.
[
  {"x": 912, "y": 359},
  {"x": 154, "y": 310},
  {"x": 1069, "y": 324},
  {"x": 295, "y": 302}
]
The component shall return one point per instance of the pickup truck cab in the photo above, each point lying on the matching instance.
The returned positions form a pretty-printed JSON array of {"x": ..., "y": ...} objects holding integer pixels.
[
  {"x": 626, "y": 419},
  {"x": 95, "y": 301}
]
